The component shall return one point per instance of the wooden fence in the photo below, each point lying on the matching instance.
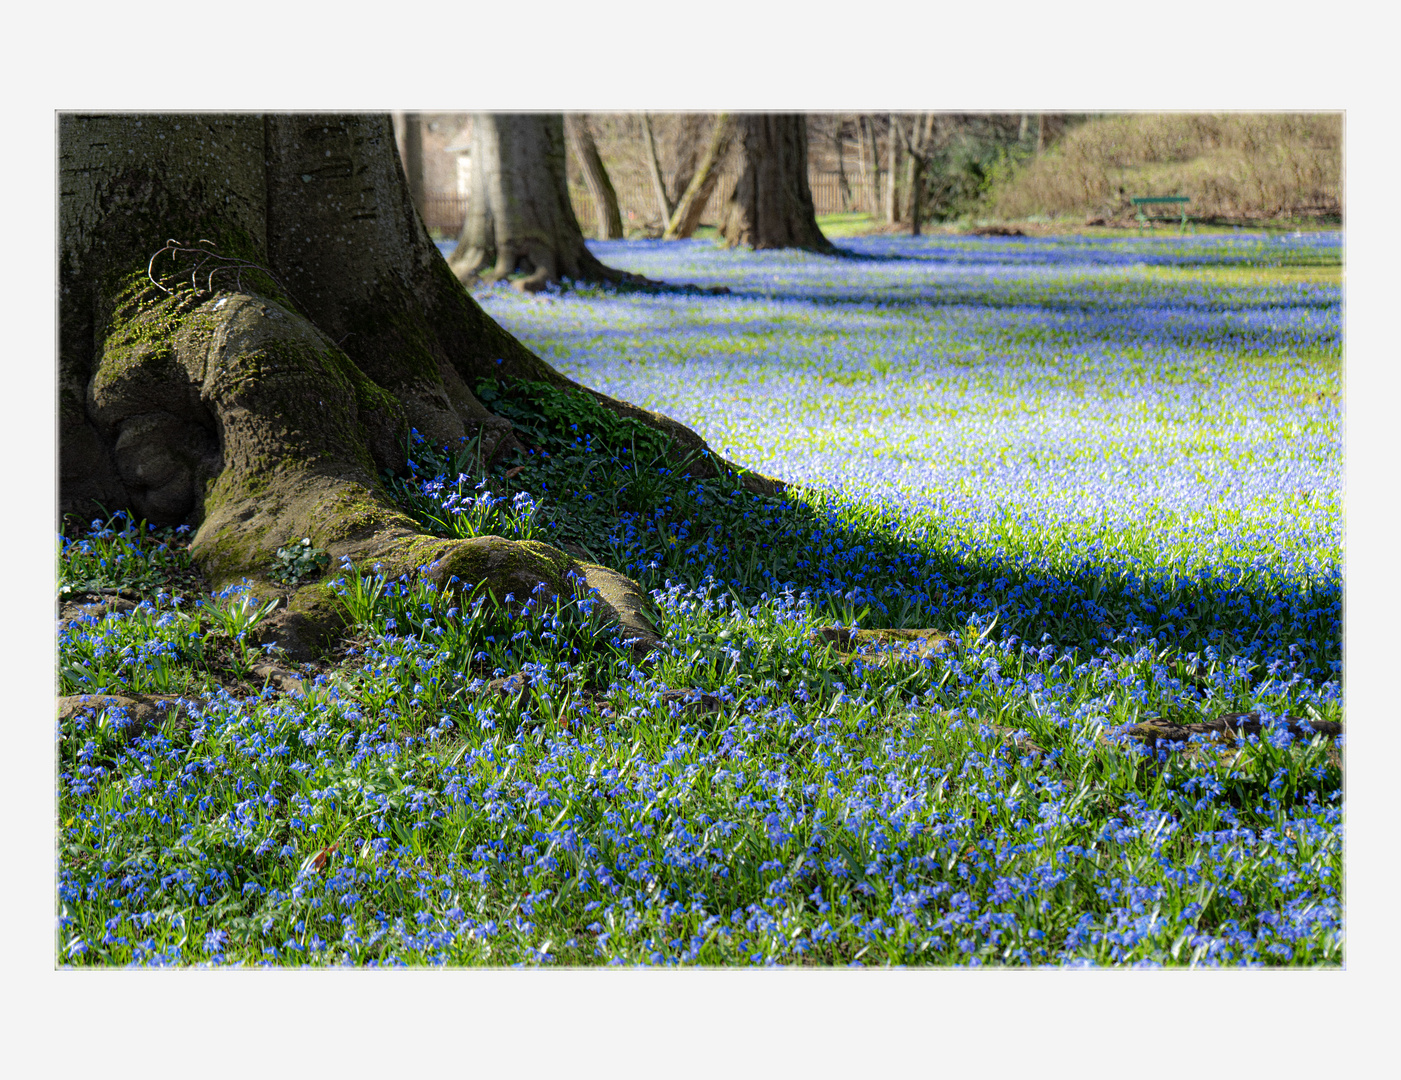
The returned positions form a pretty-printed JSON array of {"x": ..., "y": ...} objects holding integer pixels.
[{"x": 443, "y": 211}]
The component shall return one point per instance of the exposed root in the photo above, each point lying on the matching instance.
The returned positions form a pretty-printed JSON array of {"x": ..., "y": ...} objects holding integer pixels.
[{"x": 297, "y": 462}]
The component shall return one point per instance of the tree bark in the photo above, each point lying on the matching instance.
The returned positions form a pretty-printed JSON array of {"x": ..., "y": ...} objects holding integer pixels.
[
  {"x": 694, "y": 199},
  {"x": 861, "y": 153},
  {"x": 408, "y": 134},
  {"x": 609, "y": 221},
  {"x": 916, "y": 190},
  {"x": 874, "y": 206},
  {"x": 518, "y": 212},
  {"x": 689, "y": 138},
  {"x": 918, "y": 152},
  {"x": 839, "y": 147},
  {"x": 255, "y": 374},
  {"x": 654, "y": 170},
  {"x": 772, "y": 203},
  {"x": 892, "y": 203}
]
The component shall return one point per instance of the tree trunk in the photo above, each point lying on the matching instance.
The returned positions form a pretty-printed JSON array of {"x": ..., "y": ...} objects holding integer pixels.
[
  {"x": 609, "y": 222},
  {"x": 892, "y": 203},
  {"x": 916, "y": 188},
  {"x": 255, "y": 374},
  {"x": 842, "y": 186},
  {"x": 518, "y": 212},
  {"x": 654, "y": 170},
  {"x": 690, "y": 138},
  {"x": 408, "y": 134},
  {"x": 873, "y": 163},
  {"x": 861, "y": 169},
  {"x": 692, "y": 204},
  {"x": 772, "y": 204},
  {"x": 917, "y": 150}
]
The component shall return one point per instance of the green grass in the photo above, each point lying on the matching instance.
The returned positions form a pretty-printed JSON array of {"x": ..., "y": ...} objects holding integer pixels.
[{"x": 850, "y": 224}]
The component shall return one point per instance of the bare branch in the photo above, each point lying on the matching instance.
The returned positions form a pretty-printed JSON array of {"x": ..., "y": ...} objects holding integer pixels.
[{"x": 202, "y": 254}]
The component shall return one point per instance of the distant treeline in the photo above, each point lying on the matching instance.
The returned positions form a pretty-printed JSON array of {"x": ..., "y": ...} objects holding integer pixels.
[{"x": 965, "y": 166}]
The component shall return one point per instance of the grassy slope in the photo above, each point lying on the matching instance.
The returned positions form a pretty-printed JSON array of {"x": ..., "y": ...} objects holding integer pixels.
[{"x": 1234, "y": 166}]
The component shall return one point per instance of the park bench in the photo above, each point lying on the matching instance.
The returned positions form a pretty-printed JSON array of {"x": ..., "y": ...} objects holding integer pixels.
[{"x": 1159, "y": 200}]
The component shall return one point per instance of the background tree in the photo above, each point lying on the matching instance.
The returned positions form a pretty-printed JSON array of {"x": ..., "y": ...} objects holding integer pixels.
[
  {"x": 408, "y": 134},
  {"x": 870, "y": 150},
  {"x": 689, "y": 137},
  {"x": 891, "y": 170},
  {"x": 772, "y": 203},
  {"x": 687, "y": 214},
  {"x": 255, "y": 374},
  {"x": 609, "y": 220},
  {"x": 917, "y": 149},
  {"x": 654, "y": 171},
  {"x": 518, "y": 212}
]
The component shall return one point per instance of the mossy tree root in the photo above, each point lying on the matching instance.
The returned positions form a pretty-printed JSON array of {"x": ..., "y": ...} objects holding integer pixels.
[
  {"x": 263, "y": 405},
  {"x": 303, "y": 436}
]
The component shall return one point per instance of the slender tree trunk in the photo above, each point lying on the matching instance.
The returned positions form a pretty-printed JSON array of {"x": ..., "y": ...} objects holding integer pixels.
[
  {"x": 892, "y": 203},
  {"x": 916, "y": 190},
  {"x": 519, "y": 216},
  {"x": 690, "y": 139},
  {"x": 911, "y": 175},
  {"x": 842, "y": 185},
  {"x": 1040, "y": 132},
  {"x": 254, "y": 374},
  {"x": 918, "y": 151},
  {"x": 873, "y": 145},
  {"x": 694, "y": 199},
  {"x": 861, "y": 157},
  {"x": 654, "y": 170},
  {"x": 772, "y": 203},
  {"x": 609, "y": 222},
  {"x": 408, "y": 134}
]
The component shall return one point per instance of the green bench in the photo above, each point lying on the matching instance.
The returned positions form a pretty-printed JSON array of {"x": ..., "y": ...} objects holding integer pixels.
[{"x": 1159, "y": 200}]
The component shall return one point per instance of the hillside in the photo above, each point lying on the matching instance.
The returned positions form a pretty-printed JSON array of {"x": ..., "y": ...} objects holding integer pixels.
[{"x": 1234, "y": 167}]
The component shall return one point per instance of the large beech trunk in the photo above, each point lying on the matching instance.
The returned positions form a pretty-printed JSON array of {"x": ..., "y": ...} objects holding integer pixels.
[
  {"x": 519, "y": 217},
  {"x": 258, "y": 372},
  {"x": 772, "y": 203},
  {"x": 608, "y": 218}
]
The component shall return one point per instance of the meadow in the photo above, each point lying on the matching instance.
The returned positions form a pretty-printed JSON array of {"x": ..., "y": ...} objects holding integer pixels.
[{"x": 1046, "y": 495}]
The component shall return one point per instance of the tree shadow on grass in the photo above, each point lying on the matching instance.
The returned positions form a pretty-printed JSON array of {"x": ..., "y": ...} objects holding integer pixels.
[{"x": 615, "y": 492}]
